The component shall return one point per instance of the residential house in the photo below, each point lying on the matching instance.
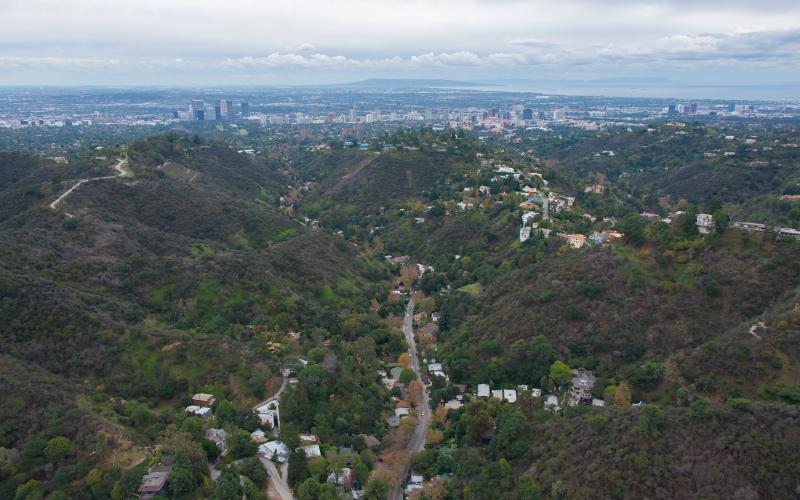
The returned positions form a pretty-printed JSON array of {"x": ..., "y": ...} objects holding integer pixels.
[
  {"x": 705, "y": 223},
  {"x": 274, "y": 449},
  {"x": 497, "y": 394},
  {"x": 581, "y": 389},
  {"x": 484, "y": 391},
  {"x": 311, "y": 451},
  {"x": 218, "y": 437},
  {"x": 575, "y": 240},
  {"x": 527, "y": 216},
  {"x": 649, "y": 216},
  {"x": 422, "y": 269},
  {"x": 155, "y": 481},
  {"x": 510, "y": 395},
  {"x": 201, "y": 399},
  {"x": 370, "y": 441},
  {"x": 203, "y": 412},
  {"x": 306, "y": 439},
  {"x": 268, "y": 414},
  {"x": 465, "y": 206},
  {"x": 551, "y": 402},
  {"x": 524, "y": 234},
  {"x": 453, "y": 404},
  {"x": 259, "y": 436}
]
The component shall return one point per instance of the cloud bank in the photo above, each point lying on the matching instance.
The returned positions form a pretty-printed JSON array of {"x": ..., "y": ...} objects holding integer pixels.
[{"x": 249, "y": 41}]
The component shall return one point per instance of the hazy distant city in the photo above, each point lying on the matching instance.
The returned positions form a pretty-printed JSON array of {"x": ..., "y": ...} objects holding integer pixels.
[{"x": 384, "y": 104}]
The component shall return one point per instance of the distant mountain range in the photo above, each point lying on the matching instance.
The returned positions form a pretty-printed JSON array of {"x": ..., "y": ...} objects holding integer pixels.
[{"x": 408, "y": 83}]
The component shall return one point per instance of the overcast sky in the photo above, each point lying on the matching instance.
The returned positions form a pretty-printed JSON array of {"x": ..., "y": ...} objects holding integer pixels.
[{"x": 142, "y": 42}]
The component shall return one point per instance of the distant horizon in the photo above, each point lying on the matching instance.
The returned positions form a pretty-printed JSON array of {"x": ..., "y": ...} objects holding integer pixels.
[
  {"x": 617, "y": 87},
  {"x": 249, "y": 42}
]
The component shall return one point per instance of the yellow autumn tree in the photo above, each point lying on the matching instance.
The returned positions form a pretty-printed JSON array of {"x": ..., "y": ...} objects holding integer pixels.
[
  {"x": 622, "y": 396},
  {"x": 404, "y": 360}
]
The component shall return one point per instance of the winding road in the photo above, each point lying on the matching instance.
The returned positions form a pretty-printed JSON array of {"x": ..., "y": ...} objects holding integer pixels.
[
  {"x": 417, "y": 441},
  {"x": 279, "y": 477},
  {"x": 118, "y": 167}
]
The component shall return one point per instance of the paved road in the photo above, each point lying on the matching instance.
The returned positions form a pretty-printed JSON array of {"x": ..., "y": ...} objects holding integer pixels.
[
  {"x": 278, "y": 478},
  {"x": 275, "y": 396},
  {"x": 117, "y": 167},
  {"x": 417, "y": 442}
]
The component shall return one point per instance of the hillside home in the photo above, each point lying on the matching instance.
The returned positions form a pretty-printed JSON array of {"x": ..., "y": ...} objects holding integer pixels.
[
  {"x": 705, "y": 223},
  {"x": 274, "y": 449},
  {"x": 581, "y": 390},
  {"x": 259, "y": 436},
  {"x": 576, "y": 240},
  {"x": 484, "y": 391},
  {"x": 510, "y": 395},
  {"x": 218, "y": 437},
  {"x": 551, "y": 403},
  {"x": 201, "y": 399},
  {"x": 311, "y": 451},
  {"x": 155, "y": 481},
  {"x": 203, "y": 412}
]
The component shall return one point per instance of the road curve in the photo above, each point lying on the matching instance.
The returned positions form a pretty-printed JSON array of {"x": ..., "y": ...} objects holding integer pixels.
[
  {"x": 275, "y": 396},
  {"x": 120, "y": 173},
  {"x": 417, "y": 442}
]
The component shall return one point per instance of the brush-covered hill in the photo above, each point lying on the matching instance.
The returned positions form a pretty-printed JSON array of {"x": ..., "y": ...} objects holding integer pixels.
[{"x": 136, "y": 291}]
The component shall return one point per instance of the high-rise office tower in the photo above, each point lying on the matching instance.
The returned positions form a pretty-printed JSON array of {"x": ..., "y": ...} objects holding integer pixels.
[
  {"x": 218, "y": 112},
  {"x": 199, "y": 114},
  {"x": 352, "y": 117},
  {"x": 195, "y": 105},
  {"x": 226, "y": 109},
  {"x": 245, "y": 109},
  {"x": 527, "y": 114}
]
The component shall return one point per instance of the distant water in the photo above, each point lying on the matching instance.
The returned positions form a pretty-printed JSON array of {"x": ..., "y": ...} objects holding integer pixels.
[{"x": 787, "y": 92}]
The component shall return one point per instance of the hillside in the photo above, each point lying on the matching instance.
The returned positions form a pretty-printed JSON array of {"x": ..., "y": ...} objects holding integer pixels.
[{"x": 154, "y": 287}]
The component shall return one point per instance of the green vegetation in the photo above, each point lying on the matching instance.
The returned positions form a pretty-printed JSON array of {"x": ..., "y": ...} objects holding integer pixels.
[{"x": 212, "y": 271}]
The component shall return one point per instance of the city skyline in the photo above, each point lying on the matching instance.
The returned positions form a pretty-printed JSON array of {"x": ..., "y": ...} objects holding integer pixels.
[{"x": 242, "y": 42}]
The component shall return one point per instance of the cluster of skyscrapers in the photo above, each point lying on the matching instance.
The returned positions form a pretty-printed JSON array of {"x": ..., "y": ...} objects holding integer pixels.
[{"x": 222, "y": 110}]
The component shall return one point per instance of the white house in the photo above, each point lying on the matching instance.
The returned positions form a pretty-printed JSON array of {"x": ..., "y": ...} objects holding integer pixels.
[
  {"x": 527, "y": 216},
  {"x": 274, "y": 449},
  {"x": 497, "y": 393},
  {"x": 200, "y": 411},
  {"x": 311, "y": 450},
  {"x": 705, "y": 223},
  {"x": 484, "y": 391},
  {"x": 453, "y": 404},
  {"x": 551, "y": 403},
  {"x": 510, "y": 395},
  {"x": 524, "y": 234}
]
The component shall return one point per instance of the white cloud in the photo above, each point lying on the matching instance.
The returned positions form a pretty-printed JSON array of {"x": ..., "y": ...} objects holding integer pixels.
[{"x": 473, "y": 38}]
